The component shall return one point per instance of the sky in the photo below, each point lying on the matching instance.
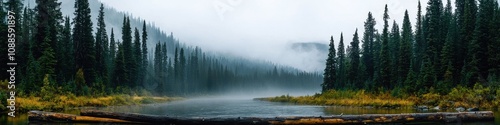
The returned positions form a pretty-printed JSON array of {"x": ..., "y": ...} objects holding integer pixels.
[{"x": 265, "y": 29}]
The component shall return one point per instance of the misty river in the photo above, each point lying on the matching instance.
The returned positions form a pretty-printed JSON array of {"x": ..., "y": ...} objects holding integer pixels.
[{"x": 221, "y": 107}]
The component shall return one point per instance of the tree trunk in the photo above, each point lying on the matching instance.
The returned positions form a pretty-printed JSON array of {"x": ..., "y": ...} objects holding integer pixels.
[{"x": 103, "y": 116}]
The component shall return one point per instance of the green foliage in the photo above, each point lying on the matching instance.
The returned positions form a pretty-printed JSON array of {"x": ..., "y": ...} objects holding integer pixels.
[
  {"x": 329, "y": 76},
  {"x": 47, "y": 91},
  {"x": 84, "y": 43},
  {"x": 79, "y": 81}
]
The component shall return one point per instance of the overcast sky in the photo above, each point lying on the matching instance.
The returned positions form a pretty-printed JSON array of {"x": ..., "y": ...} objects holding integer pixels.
[{"x": 262, "y": 29}]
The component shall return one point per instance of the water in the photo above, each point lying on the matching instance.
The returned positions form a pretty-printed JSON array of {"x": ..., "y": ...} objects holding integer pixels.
[{"x": 235, "y": 107}]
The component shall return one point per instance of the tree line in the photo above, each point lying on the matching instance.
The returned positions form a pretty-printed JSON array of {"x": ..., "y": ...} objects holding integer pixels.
[
  {"x": 70, "y": 56},
  {"x": 447, "y": 49}
]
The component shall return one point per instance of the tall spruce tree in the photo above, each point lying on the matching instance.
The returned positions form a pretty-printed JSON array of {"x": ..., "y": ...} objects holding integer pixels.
[
  {"x": 478, "y": 48},
  {"x": 129, "y": 52},
  {"x": 101, "y": 45},
  {"x": 66, "y": 63},
  {"x": 342, "y": 81},
  {"x": 419, "y": 45},
  {"x": 405, "y": 53},
  {"x": 394, "y": 44},
  {"x": 384, "y": 79},
  {"x": 368, "y": 40},
  {"x": 353, "y": 71},
  {"x": 329, "y": 75},
  {"x": 138, "y": 58},
  {"x": 466, "y": 17},
  {"x": 84, "y": 41},
  {"x": 144, "y": 47}
]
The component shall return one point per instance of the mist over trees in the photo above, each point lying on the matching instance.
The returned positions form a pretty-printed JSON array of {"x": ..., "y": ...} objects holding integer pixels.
[
  {"x": 447, "y": 48},
  {"x": 70, "y": 54}
]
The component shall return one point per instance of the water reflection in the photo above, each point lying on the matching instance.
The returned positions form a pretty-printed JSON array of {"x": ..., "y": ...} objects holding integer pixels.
[{"x": 217, "y": 107}]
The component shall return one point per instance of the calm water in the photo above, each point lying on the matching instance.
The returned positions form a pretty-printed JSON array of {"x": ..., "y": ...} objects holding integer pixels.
[{"x": 231, "y": 107}]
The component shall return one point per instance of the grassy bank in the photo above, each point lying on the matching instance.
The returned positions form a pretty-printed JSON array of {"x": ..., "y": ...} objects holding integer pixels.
[
  {"x": 478, "y": 96},
  {"x": 63, "y": 102}
]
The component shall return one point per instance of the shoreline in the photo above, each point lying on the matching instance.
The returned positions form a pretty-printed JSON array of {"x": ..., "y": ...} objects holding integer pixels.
[
  {"x": 63, "y": 102},
  {"x": 460, "y": 98}
]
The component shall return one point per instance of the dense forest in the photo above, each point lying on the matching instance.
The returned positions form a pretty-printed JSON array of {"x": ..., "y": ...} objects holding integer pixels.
[
  {"x": 446, "y": 49},
  {"x": 72, "y": 55}
]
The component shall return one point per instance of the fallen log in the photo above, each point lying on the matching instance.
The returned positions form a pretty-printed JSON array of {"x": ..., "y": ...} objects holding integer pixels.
[
  {"x": 41, "y": 116},
  {"x": 439, "y": 117}
]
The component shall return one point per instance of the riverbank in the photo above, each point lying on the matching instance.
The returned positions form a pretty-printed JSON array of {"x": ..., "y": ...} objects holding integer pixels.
[
  {"x": 477, "y": 97},
  {"x": 64, "y": 102}
]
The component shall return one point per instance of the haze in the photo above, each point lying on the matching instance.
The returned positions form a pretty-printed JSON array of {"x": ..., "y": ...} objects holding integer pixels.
[{"x": 265, "y": 29}]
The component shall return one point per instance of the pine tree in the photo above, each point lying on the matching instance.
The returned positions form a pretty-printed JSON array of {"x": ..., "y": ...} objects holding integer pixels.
[
  {"x": 368, "y": 39},
  {"x": 419, "y": 45},
  {"x": 138, "y": 58},
  {"x": 384, "y": 68},
  {"x": 329, "y": 75},
  {"x": 449, "y": 54},
  {"x": 120, "y": 69},
  {"x": 182, "y": 70},
  {"x": 493, "y": 48},
  {"x": 394, "y": 44},
  {"x": 353, "y": 72},
  {"x": 341, "y": 83},
  {"x": 112, "y": 57},
  {"x": 47, "y": 32},
  {"x": 478, "y": 47},
  {"x": 66, "y": 62},
  {"x": 84, "y": 41},
  {"x": 144, "y": 48},
  {"x": 101, "y": 45},
  {"x": 405, "y": 53},
  {"x": 129, "y": 52},
  {"x": 466, "y": 18}
]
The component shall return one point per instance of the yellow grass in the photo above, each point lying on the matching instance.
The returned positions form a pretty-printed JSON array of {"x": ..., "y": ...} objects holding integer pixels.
[{"x": 62, "y": 102}]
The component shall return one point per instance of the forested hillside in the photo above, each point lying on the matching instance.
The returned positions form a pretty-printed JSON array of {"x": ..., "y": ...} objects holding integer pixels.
[
  {"x": 94, "y": 50},
  {"x": 442, "y": 49}
]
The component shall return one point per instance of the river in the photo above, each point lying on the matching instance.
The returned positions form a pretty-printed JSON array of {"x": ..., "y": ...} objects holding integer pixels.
[{"x": 236, "y": 107}]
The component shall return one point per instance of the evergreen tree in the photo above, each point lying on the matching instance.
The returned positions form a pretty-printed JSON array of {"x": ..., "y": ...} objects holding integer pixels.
[
  {"x": 466, "y": 18},
  {"x": 419, "y": 45},
  {"x": 138, "y": 58},
  {"x": 129, "y": 52},
  {"x": 101, "y": 47},
  {"x": 384, "y": 68},
  {"x": 66, "y": 62},
  {"x": 112, "y": 57},
  {"x": 120, "y": 69},
  {"x": 329, "y": 75},
  {"x": 341, "y": 83},
  {"x": 368, "y": 54},
  {"x": 182, "y": 70},
  {"x": 353, "y": 71},
  {"x": 84, "y": 41},
  {"x": 46, "y": 36},
  {"x": 405, "y": 53},
  {"x": 144, "y": 48},
  {"x": 394, "y": 44},
  {"x": 448, "y": 53},
  {"x": 493, "y": 48}
]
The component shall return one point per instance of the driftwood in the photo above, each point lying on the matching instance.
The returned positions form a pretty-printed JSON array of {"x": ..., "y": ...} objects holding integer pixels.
[
  {"x": 440, "y": 117},
  {"x": 41, "y": 116}
]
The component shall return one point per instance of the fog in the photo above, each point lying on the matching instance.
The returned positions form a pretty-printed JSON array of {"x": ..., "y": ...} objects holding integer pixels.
[{"x": 265, "y": 29}]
